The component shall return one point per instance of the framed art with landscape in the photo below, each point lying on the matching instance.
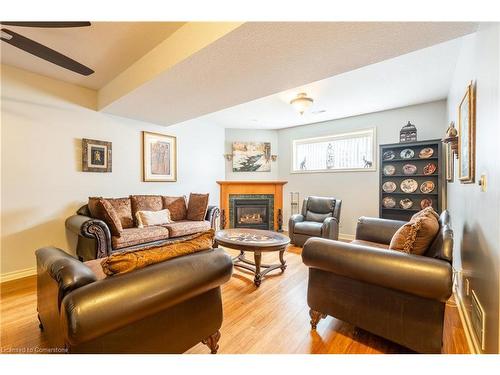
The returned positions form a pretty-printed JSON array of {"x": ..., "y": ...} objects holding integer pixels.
[
  {"x": 466, "y": 136},
  {"x": 159, "y": 157}
]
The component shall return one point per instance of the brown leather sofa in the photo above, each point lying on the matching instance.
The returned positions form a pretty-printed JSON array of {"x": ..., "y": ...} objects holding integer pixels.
[
  {"x": 320, "y": 217},
  {"x": 394, "y": 295},
  {"x": 94, "y": 238},
  {"x": 164, "y": 308}
]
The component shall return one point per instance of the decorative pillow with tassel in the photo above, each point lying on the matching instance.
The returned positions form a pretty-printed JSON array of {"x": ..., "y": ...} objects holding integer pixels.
[{"x": 417, "y": 235}]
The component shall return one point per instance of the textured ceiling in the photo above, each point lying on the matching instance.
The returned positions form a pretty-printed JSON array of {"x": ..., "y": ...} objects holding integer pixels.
[
  {"x": 260, "y": 59},
  {"x": 417, "y": 77},
  {"x": 106, "y": 47}
]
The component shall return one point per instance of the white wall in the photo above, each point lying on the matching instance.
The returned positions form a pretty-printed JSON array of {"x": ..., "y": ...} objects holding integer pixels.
[
  {"x": 43, "y": 121},
  {"x": 250, "y": 135},
  {"x": 476, "y": 215},
  {"x": 359, "y": 191}
]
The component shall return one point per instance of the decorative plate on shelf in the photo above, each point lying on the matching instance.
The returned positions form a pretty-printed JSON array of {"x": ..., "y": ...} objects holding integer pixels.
[
  {"x": 409, "y": 185},
  {"x": 409, "y": 169},
  {"x": 389, "y": 202},
  {"x": 406, "y": 203},
  {"x": 427, "y": 187},
  {"x": 430, "y": 168},
  {"x": 389, "y": 187},
  {"x": 407, "y": 153},
  {"x": 388, "y": 155},
  {"x": 426, "y": 153},
  {"x": 426, "y": 202},
  {"x": 389, "y": 170}
]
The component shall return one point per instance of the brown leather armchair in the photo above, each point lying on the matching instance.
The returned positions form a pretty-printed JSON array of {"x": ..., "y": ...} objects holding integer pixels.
[
  {"x": 394, "y": 295},
  {"x": 163, "y": 308},
  {"x": 320, "y": 217}
]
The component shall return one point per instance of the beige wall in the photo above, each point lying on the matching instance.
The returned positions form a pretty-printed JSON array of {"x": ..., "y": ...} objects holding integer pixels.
[
  {"x": 475, "y": 214},
  {"x": 43, "y": 121},
  {"x": 359, "y": 191},
  {"x": 251, "y": 135}
]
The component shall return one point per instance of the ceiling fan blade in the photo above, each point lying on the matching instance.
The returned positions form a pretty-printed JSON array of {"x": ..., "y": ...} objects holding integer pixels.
[
  {"x": 46, "y": 24},
  {"x": 43, "y": 52}
]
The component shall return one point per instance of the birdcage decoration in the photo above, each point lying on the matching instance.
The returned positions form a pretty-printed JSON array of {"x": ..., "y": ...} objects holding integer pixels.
[{"x": 408, "y": 133}]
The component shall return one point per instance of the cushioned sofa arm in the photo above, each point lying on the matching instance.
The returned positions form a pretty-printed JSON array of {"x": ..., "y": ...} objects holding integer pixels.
[
  {"x": 213, "y": 213},
  {"x": 377, "y": 230},
  {"x": 88, "y": 227},
  {"x": 330, "y": 228},
  {"x": 413, "y": 274},
  {"x": 68, "y": 272},
  {"x": 110, "y": 304}
]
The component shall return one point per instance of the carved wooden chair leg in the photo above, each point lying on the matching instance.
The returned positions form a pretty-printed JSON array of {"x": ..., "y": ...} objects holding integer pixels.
[
  {"x": 316, "y": 316},
  {"x": 212, "y": 342},
  {"x": 40, "y": 325}
]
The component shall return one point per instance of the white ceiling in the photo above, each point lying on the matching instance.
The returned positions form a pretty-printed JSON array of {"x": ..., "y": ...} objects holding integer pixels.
[
  {"x": 417, "y": 77},
  {"x": 106, "y": 47},
  {"x": 259, "y": 59}
]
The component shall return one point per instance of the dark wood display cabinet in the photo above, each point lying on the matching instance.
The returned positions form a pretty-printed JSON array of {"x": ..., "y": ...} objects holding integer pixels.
[{"x": 411, "y": 178}]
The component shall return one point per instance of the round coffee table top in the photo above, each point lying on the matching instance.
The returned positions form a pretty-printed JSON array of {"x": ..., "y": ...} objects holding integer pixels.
[{"x": 252, "y": 239}]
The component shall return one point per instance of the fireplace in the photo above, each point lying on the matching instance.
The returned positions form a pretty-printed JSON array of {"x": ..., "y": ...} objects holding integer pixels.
[{"x": 251, "y": 211}]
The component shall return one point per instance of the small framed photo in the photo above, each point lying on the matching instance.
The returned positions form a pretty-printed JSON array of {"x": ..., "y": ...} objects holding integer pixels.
[
  {"x": 450, "y": 163},
  {"x": 159, "y": 160},
  {"x": 96, "y": 156},
  {"x": 466, "y": 136}
]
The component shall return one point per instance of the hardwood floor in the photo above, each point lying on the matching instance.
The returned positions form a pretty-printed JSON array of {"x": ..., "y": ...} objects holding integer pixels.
[{"x": 271, "y": 319}]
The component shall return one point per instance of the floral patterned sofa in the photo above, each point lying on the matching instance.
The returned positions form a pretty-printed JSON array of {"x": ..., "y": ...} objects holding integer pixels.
[{"x": 95, "y": 239}]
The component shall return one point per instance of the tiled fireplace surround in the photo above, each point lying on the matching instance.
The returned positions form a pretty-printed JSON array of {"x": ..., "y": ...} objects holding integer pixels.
[{"x": 270, "y": 192}]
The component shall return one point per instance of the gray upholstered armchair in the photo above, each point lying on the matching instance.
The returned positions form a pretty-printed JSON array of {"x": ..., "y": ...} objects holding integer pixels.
[{"x": 320, "y": 217}]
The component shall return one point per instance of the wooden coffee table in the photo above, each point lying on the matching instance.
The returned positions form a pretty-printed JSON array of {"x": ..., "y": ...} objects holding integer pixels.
[{"x": 256, "y": 241}]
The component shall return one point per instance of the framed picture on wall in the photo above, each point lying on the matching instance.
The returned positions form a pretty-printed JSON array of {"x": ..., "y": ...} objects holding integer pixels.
[
  {"x": 96, "y": 156},
  {"x": 251, "y": 157},
  {"x": 466, "y": 136},
  {"x": 450, "y": 163},
  {"x": 159, "y": 160}
]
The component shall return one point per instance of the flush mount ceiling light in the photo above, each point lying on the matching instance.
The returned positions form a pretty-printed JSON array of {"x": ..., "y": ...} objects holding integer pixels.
[{"x": 301, "y": 102}]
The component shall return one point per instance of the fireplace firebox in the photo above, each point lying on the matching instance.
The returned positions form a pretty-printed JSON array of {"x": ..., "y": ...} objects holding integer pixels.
[{"x": 251, "y": 213}]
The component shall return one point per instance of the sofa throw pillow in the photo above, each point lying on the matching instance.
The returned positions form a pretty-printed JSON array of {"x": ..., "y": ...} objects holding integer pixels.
[
  {"x": 428, "y": 211},
  {"x": 145, "y": 203},
  {"x": 125, "y": 262},
  {"x": 148, "y": 218},
  {"x": 416, "y": 236},
  {"x": 177, "y": 207},
  {"x": 122, "y": 207},
  {"x": 197, "y": 207},
  {"x": 110, "y": 217}
]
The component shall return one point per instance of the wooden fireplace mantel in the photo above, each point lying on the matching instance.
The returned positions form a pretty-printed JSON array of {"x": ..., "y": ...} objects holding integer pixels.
[{"x": 251, "y": 187}]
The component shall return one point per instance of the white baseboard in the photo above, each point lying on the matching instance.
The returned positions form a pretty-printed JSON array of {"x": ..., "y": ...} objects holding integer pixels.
[
  {"x": 14, "y": 275},
  {"x": 346, "y": 237},
  {"x": 467, "y": 325}
]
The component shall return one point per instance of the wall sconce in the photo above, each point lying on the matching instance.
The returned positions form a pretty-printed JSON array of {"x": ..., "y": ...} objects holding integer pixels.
[
  {"x": 274, "y": 157},
  {"x": 228, "y": 157},
  {"x": 452, "y": 138}
]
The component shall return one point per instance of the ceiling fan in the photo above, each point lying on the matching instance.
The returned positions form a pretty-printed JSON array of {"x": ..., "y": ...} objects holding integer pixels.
[{"x": 42, "y": 51}]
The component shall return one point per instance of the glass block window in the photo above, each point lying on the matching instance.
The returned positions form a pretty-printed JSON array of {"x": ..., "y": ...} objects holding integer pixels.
[{"x": 339, "y": 152}]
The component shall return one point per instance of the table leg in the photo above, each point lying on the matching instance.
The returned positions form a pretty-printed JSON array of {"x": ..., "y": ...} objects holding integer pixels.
[
  {"x": 258, "y": 277},
  {"x": 282, "y": 261}
]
